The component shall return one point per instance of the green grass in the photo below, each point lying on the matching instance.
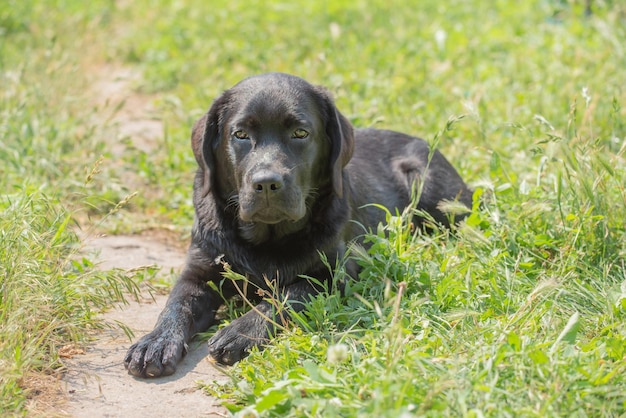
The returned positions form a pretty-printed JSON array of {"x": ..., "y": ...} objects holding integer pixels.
[
  {"x": 49, "y": 295},
  {"x": 51, "y": 174},
  {"x": 519, "y": 312}
]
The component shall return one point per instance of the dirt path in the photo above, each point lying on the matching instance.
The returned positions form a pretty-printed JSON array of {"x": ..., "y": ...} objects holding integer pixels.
[
  {"x": 96, "y": 382},
  {"x": 98, "y": 385}
]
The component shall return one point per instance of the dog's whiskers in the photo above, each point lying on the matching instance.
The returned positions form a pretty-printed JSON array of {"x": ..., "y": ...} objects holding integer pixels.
[
  {"x": 311, "y": 192},
  {"x": 311, "y": 195},
  {"x": 232, "y": 201}
]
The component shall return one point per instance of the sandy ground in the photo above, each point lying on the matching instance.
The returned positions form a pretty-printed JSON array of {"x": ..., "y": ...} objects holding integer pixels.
[{"x": 97, "y": 383}]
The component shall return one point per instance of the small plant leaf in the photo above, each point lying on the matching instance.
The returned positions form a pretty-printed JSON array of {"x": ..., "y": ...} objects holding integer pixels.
[{"x": 569, "y": 332}]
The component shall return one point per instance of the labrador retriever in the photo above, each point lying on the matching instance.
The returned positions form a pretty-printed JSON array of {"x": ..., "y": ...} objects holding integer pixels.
[{"x": 282, "y": 178}]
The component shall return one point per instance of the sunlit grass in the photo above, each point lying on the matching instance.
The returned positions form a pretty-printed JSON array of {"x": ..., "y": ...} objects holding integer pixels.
[
  {"x": 49, "y": 295},
  {"x": 53, "y": 170}
]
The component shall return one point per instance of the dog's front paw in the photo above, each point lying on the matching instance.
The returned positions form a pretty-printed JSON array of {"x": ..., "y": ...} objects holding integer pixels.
[
  {"x": 233, "y": 342},
  {"x": 155, "y": 354}
]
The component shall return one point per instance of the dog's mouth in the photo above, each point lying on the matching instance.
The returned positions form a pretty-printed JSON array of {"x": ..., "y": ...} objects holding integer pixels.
[
  {"x": 271, "y": 206},
  {"x": 271, "y": 215}
]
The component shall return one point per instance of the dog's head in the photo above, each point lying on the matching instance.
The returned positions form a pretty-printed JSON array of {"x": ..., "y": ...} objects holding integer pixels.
[{"x": 270, "y": 144}]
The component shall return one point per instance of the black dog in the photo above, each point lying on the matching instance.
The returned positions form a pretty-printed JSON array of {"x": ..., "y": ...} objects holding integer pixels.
[{"x": 281, "y": 175}]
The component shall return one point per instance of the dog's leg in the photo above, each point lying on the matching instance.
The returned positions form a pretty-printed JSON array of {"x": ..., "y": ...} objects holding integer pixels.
[
  {"x": 190, "y": 308},
  {"x": 233, "y": 342}
]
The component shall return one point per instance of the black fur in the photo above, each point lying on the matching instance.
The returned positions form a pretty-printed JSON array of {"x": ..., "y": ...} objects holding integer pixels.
[{"x": 281, "y": 174}]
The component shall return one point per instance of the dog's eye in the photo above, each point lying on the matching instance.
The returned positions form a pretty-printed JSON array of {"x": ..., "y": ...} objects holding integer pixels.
[
  {"x": 299, "y": 133},
  {"x": 240, "y": 134}
]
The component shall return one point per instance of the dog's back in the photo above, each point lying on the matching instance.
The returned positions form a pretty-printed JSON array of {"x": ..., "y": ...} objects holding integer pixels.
[{"x": 388, "y": 167}]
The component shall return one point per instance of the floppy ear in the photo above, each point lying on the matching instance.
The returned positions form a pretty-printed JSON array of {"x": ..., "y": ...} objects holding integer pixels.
[
  {"x": 204, "y": 139},
  {"x": 341, "y": 136}
]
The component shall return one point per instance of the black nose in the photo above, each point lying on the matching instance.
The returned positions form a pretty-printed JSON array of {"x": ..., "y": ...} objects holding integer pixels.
[{"x": 266, "y": 181}]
